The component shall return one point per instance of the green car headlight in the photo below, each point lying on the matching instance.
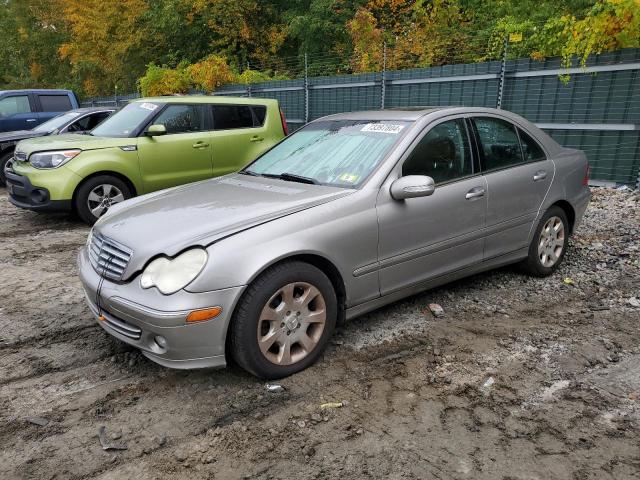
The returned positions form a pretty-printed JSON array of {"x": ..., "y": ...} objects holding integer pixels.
[
  {"x": 171, "y": 275},
  {"x": 52, "y": 159}
]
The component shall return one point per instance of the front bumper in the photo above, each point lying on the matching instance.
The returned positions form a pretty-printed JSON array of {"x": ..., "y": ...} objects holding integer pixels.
[
  {"x": 24, "y": 195},
  {"x": 128, "y": 317}
]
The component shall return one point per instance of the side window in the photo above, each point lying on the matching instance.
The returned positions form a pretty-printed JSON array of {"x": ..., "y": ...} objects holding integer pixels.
[
  {"x": 443, "y": 153},
  {"x": 55, "y": 103},
  {"x": 88, "y": 123},
  {"x": 530, "y": 148},
  {"x": 226, "y": 117},
  {"x": 499, "y": 143},
  {"x": 259, "y": 114},
  {"x": 14, "y": 105},
  {"x": 183, "y": 118}
]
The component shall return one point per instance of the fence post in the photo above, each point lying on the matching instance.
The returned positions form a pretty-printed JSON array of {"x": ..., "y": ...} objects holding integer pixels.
[
  {"x": 503, "y": 68},
  {"x": 306, "y": 89},
  {"x": 383, "y": 88}
]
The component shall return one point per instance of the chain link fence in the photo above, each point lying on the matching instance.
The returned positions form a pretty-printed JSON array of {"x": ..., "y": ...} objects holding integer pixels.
[{"x": 595, "y": 107}]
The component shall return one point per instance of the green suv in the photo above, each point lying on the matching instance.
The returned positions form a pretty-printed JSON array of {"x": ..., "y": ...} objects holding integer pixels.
[{"x": 150, "y": 144}]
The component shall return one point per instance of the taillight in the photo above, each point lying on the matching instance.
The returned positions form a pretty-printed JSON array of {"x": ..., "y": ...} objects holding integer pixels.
[
  {"x": 585, "y": 180},
  {"x": 285, "y": 129}
]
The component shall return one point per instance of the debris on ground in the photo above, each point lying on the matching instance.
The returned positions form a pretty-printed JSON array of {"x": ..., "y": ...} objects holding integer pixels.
[
  {"x": 106, "y": 443},
  {"x": 41, "y": 422},
  {"x": 436, "y": 310},
  {"x": 568, "y": 281},
  {"x": 488, "y": 382},
  {"x": 331, "y": 405},
  {"x": 274, "y": 388}
]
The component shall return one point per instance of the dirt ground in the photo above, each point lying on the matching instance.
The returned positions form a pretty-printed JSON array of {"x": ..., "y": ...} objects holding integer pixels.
[{"x": 521, "y": 379}]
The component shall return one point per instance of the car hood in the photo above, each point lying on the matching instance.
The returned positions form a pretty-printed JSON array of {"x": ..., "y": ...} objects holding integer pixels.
[
  {"x": 169, "y": 221},
  {"x": 20, "y": 135},
  {"x": 71, "y": 141}
]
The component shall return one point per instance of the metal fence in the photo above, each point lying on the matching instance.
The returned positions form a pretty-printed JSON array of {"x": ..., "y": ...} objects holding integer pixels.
[{"x": 596, "y": 109}]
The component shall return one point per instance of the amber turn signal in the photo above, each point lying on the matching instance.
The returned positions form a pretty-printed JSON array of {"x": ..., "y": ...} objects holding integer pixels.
[
  {"x": 102, "y": 318},
  {"x": 203, "y": 315}
]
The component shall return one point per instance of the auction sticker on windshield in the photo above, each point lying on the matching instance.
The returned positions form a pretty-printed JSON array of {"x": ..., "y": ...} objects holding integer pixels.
[
  {"x": 148, "y": 106},
  {"x": 382, "y": 128}
]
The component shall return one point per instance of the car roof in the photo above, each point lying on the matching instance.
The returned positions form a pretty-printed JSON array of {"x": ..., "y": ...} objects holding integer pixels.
[
  {"x": 36, "y": 90},
  {"x": 409, "y": 114},
  {"x": 92, "y": 109},
  {"x": 217, "y": 99}
]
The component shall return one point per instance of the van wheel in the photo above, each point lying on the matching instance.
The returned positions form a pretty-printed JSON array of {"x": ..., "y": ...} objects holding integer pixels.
[
  {"x": 284, "y": 320},
  {"x": 549, "y": 243},
  {"x": 96, "y": 195},
  {"x": 5, "y": 163}
]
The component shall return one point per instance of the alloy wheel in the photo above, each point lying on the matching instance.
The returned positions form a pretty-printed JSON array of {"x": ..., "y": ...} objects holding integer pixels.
[
  {"x": 102, "y": 197},
  {"x": 551, "y": 242},
  {"x": 291, "y": 323}
]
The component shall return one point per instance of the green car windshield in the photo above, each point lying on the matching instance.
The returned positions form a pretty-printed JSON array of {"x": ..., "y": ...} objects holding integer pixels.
[
  {"x": 126, "y": 121},
  {"x": 340, "y": 153}
]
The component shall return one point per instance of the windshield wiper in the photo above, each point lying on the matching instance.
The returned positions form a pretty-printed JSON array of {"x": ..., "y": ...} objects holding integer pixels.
[
  {"x": 292, "y": 177},
  {"x": 249, "y": 172}
]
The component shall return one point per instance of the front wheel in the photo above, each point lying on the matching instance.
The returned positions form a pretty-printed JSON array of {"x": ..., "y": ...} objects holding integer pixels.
[
  {"x": 549, "y": 243},
  {"x": 5, "y": 165},
  {"x": 96, "y": 195},
  {"x": 284, "y": 320}
]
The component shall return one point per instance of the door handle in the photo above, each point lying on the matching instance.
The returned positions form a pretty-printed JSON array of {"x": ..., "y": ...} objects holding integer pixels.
[
  {"x": 200, "y": 145},
  {"x": 31, "y": 120},
  {"x": 256, "y": 138},
  {"x": 476, "y": 192},
  {"x": 539, "y": 175}
]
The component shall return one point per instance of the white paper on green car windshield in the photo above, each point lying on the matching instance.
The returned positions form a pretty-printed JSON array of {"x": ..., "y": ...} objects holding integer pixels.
[
  {"x": 148, "y": 106},
  {"x": 382, "y": 128}
]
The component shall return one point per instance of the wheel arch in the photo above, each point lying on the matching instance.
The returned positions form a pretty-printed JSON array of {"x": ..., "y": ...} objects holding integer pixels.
[{"x": 569, "y": 212}]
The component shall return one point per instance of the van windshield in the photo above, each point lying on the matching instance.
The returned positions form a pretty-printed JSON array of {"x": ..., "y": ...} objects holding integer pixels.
[
  {"x": 126, "y": 121},
  {"x": 341, "y": 153}
]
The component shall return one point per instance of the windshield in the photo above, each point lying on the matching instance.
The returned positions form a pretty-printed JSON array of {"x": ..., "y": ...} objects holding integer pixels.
[
  {"x": 339, "y": 153},
  {"x": 126, "y": 121},
  {"x": 56, "y": 122}
]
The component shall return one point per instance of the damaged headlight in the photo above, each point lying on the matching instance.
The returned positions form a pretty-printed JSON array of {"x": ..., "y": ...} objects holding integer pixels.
[
  {"x": 171, "y": 275},
  {"x": 53, "y": 159}
]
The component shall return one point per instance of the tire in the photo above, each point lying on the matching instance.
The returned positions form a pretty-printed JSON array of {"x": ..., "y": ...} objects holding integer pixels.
[
  {"x": 547, "y": 249},
  {"x": 104, "y": 191},
  {"x": 4, "y": 159},
  {"x": 263, "y": 311}
]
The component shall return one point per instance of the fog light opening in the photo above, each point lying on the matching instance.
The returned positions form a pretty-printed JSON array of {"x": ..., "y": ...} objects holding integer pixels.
[
  {"x": 161, "y": 341},
  {"x": 204, "y": 315}
]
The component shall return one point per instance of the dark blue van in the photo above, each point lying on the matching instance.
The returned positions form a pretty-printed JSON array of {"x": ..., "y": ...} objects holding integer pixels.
[{"x": 24, "y": 109}]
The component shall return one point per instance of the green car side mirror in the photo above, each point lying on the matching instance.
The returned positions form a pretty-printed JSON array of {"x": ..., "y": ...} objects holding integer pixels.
[{"x": 156, "y": 130}]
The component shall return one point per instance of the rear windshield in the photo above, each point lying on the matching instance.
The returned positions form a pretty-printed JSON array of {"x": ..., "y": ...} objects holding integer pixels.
[
  {"x": 339, "y": 153},
  {"x": 125, "y": 122}
]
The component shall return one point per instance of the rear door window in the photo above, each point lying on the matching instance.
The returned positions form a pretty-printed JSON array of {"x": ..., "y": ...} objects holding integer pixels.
[
  {"x": 14, "y": 105},
  {"x": 259, "y": 114},
  {"x": 499, "y": 143},
  {"x": 531, "y": 150},
  {"x": 88, "y": 122},
  {"x": 55, "y": 103},
  {"x": 183, "y": 118},
  {"x": 227, "y": 117}
]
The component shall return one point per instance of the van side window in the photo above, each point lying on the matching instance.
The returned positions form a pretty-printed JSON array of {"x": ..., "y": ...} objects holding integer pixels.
[
  {"x": 227, "y": 117},
  {"x": 183, "y": 118},
  {"x": 55, "y": 103},
  {"x": 499, "y": 144},
  {"x": 442, "y": 154},
  {"x": 530, "y": 148},
  {"x": 14, "y": 105}
]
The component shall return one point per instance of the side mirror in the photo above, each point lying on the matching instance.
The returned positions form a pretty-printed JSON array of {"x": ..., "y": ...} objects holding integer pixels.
[
  {"x": 156, "y": 130},
  {"x": 412, "y": 186}
]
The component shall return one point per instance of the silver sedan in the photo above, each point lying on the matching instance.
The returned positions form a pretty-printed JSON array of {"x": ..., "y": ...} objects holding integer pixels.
[{"x": 350, "y": 213}]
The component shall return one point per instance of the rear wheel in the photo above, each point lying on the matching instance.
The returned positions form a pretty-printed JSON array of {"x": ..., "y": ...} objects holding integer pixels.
[
  {"x": 549, "y": 243},
  {"x": 96, "y": 195},
  {"x": 284, "y": 320},
  {"x": 6, "y": 160}
]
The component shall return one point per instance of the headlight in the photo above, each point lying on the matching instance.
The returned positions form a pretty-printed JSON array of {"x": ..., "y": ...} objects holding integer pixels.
[
  {"x": 170, "y": 275},
  {"x": 52, "y": 159}
]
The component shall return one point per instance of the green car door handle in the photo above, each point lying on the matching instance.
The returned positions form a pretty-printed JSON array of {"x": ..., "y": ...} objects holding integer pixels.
[
  {"x": 256, "y": 138},
  {"x": 200, "y": 145}
]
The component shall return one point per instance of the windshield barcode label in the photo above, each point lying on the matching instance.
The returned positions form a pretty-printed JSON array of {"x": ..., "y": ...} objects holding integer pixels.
[{"x": 382, "y": 128}]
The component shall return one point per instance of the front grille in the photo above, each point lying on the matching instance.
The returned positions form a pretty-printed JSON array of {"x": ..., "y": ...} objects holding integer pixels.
[
  {"x": 122, "y": 327},
  {"x": 109, "y": 258},
  {"x": 20, "y": 156}
]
